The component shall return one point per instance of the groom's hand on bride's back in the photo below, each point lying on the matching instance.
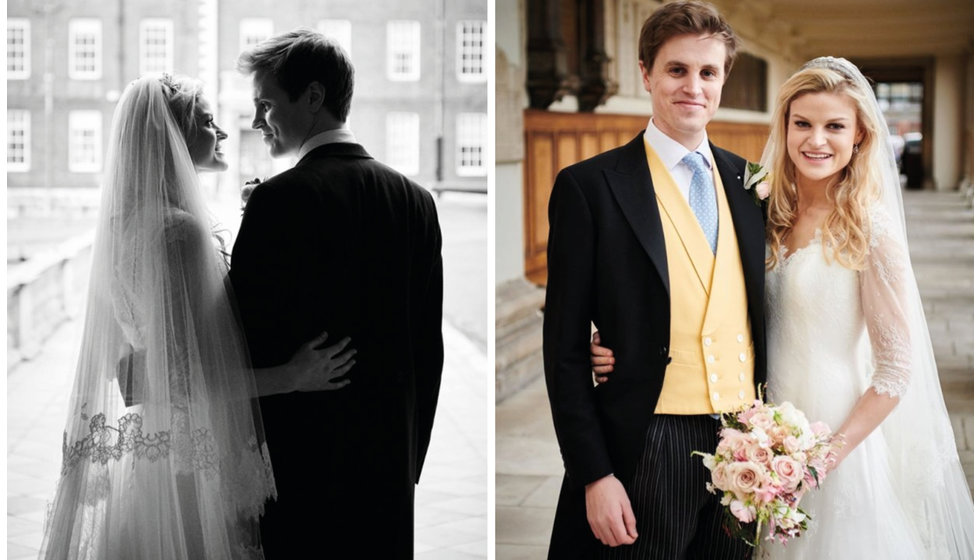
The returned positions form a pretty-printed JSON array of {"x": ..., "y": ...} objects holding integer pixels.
[{"x": 321, "y": 369}]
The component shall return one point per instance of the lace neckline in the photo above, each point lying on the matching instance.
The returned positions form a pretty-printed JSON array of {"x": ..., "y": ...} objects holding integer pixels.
[{"x": 785, "y": 257}]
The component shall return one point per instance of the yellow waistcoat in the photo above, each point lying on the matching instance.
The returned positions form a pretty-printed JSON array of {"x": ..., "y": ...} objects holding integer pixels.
[{"x": 712, "y": 356}]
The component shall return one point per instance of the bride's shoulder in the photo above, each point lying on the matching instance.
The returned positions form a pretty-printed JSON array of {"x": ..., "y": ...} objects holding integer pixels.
[
  {"x": 180, "y": 224},
  {"x": 881, "y": 224}
]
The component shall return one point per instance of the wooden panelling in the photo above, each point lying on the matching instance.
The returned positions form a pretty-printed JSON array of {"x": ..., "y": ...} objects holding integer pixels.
[
  {"x": 556, "y": 140},
  {"x": 744, "y": 139}
]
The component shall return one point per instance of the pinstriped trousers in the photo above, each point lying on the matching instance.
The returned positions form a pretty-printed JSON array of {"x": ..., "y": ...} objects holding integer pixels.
[{"x": 676, "y": 517}]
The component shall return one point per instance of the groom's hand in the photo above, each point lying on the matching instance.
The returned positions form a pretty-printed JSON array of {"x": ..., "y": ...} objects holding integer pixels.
[{"x": 610, "y": 514}]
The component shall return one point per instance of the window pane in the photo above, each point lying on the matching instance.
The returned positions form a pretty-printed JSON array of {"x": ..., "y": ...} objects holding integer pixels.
[
  {"x": 745, "y": 87},
  {"x": 470, "y": 50},
  {"x": 85, "y": 49},
  {"x": 84, "y": 141},
  {"x": 402, "y": 141},
  {"x": 403, "y": 50},
  {"x": 18, "y": 140},
  {"x": 252, "y": 31},
  {"x": 471, "y": 142},
  {"x": 156, "y": 45},
  {"x": 18, "y": 49}
]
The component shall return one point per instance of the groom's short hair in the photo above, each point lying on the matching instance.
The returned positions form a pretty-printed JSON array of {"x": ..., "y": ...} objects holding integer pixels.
[
  {"x": 686, "y": 17},
  {"x": 298, "y": 58}
]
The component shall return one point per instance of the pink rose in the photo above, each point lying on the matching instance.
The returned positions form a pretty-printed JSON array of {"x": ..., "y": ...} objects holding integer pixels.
[
  {"x": 762, "y": 190},
  {"x": 791, "y": 444},
  {"x": 820, "y": 430},
  {"x": 718, "y": 478},
  {"x": 745, "y": 479},
  {"x": 779, "y": 434},
  {"x": 790, "y": 472},
  {"x": 762, "y": 421},
  {"x": 742, "y": 512},
  {"x": 727, "y": 433},
  {"x": 735, "y": 443},
  {"x": 759, "y": 454}
]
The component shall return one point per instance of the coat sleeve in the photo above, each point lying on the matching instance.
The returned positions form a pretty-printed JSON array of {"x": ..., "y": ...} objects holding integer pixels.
[
  {"x": 428, "y": 343},
  {"x": 567, "y": 329}
]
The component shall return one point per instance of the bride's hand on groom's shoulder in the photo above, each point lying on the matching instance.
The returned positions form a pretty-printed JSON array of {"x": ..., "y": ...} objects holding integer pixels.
[{"x": 320, "y": 369}]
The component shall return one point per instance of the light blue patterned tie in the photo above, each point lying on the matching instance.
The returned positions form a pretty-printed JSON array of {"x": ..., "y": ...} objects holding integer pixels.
[{"x": 702, "y": 197}]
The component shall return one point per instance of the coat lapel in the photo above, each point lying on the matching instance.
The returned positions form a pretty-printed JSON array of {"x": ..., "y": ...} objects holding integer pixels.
[{"x": 634, "y": 192}]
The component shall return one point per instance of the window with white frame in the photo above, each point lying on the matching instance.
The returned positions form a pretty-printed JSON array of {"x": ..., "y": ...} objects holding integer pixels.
[
  {"x": 252, "y": 31},
  {"x": 404, "y": 51},
  {"x": 402, "y": 142},
  {"x": 471, "y": 51},
  {"x": 156, "y": 45},
  {"x": 471, "y": 144},
  {"x": 84, "y": 141},
  {"x": 18, "y": 140},
  {"x": 85, "y": 49},
  {"x": 18, "y": 49},
  {"x": 337, "y": 29}
]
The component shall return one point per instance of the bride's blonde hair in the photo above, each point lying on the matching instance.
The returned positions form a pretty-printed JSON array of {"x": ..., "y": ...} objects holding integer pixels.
[{"x": 846, "y": 229}]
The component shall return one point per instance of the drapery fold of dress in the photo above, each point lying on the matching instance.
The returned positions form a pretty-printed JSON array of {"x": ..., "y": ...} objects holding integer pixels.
[{"x": 164, "y": 454}]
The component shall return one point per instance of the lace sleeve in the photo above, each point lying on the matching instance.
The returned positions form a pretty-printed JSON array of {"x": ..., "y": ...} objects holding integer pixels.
[
  {"x": 883, "y": 294},
  {"x": 183, "y": 283}
]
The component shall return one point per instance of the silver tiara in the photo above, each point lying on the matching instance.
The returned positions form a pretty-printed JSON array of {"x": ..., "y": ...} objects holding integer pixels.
[
  {"x": 168, "y": 82},
  {"x": 842, "y": 66}
]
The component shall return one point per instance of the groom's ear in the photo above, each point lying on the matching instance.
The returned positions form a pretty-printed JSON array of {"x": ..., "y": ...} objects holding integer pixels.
[{"x": 314, "y": 96}]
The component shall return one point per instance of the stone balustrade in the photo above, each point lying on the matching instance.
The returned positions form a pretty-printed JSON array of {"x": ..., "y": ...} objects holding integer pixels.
[{"x": 43, "y": 292}]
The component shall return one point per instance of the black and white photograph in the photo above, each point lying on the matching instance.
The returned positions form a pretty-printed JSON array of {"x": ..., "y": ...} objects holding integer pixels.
[{"x": 246, "y": 264}]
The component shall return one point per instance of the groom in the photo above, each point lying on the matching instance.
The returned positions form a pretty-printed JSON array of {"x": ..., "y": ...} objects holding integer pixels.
[
  {"x": 343, "y": 244},
  {"x": 658, "y": 244}
]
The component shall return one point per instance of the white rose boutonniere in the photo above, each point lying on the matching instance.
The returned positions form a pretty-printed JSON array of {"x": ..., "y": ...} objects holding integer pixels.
[{"x": 757, "y": 181}]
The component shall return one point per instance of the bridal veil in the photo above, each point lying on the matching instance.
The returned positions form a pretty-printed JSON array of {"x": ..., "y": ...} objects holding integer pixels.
[{"x": 164, "y": 454}]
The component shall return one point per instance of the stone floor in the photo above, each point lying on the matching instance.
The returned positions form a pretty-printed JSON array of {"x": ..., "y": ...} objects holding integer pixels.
[
  {"x": 451, "y": 500},
  {"x": 940, "y": 225}
]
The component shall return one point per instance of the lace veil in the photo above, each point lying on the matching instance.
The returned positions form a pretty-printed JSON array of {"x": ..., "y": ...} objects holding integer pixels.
[
  {"x": 164, "y": 453},
  {"x": 922, "y": 450}
]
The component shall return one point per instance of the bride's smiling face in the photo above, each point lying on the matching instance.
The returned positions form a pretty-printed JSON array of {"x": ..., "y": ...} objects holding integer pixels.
[
  {"x": 821, "y": 131},
  {"x": 205, "y": 142}
]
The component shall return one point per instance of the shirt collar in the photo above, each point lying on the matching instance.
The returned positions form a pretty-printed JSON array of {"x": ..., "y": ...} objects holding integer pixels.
[
  {"x": 337, "y": 135},
  {"x": 670, "y": 151}
]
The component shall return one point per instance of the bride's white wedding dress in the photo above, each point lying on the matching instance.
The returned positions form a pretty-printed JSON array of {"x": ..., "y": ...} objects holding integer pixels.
[
  {"x": 834, "y": 332},
  {"x": 164, "y": 454}
]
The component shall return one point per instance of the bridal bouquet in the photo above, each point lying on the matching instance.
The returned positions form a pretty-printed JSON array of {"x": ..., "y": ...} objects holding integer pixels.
[{"x": 769, "y": 456}]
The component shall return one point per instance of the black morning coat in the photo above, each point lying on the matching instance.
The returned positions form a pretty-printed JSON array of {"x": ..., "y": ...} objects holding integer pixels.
[
  {"x": 607, "y": 264},
  {"x": 342, "y": 243}
]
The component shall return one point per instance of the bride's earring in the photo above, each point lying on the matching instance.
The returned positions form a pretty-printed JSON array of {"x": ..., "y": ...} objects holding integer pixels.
[{"x": 856, "y": 146}]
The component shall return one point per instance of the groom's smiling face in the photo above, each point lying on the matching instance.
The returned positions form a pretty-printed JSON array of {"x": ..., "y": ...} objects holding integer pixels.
[{"x": 284, "y": 123}]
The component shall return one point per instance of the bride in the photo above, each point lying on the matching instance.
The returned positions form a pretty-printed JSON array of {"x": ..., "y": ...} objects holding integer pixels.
[
  {"x": 846, "y": 334},
  {"x": 163, "y": 454}
]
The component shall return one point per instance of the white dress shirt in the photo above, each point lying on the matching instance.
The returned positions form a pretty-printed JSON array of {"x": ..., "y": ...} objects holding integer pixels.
[
  {"x": 671, "y": 152},
  {"x": 335, "y": 136}
]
